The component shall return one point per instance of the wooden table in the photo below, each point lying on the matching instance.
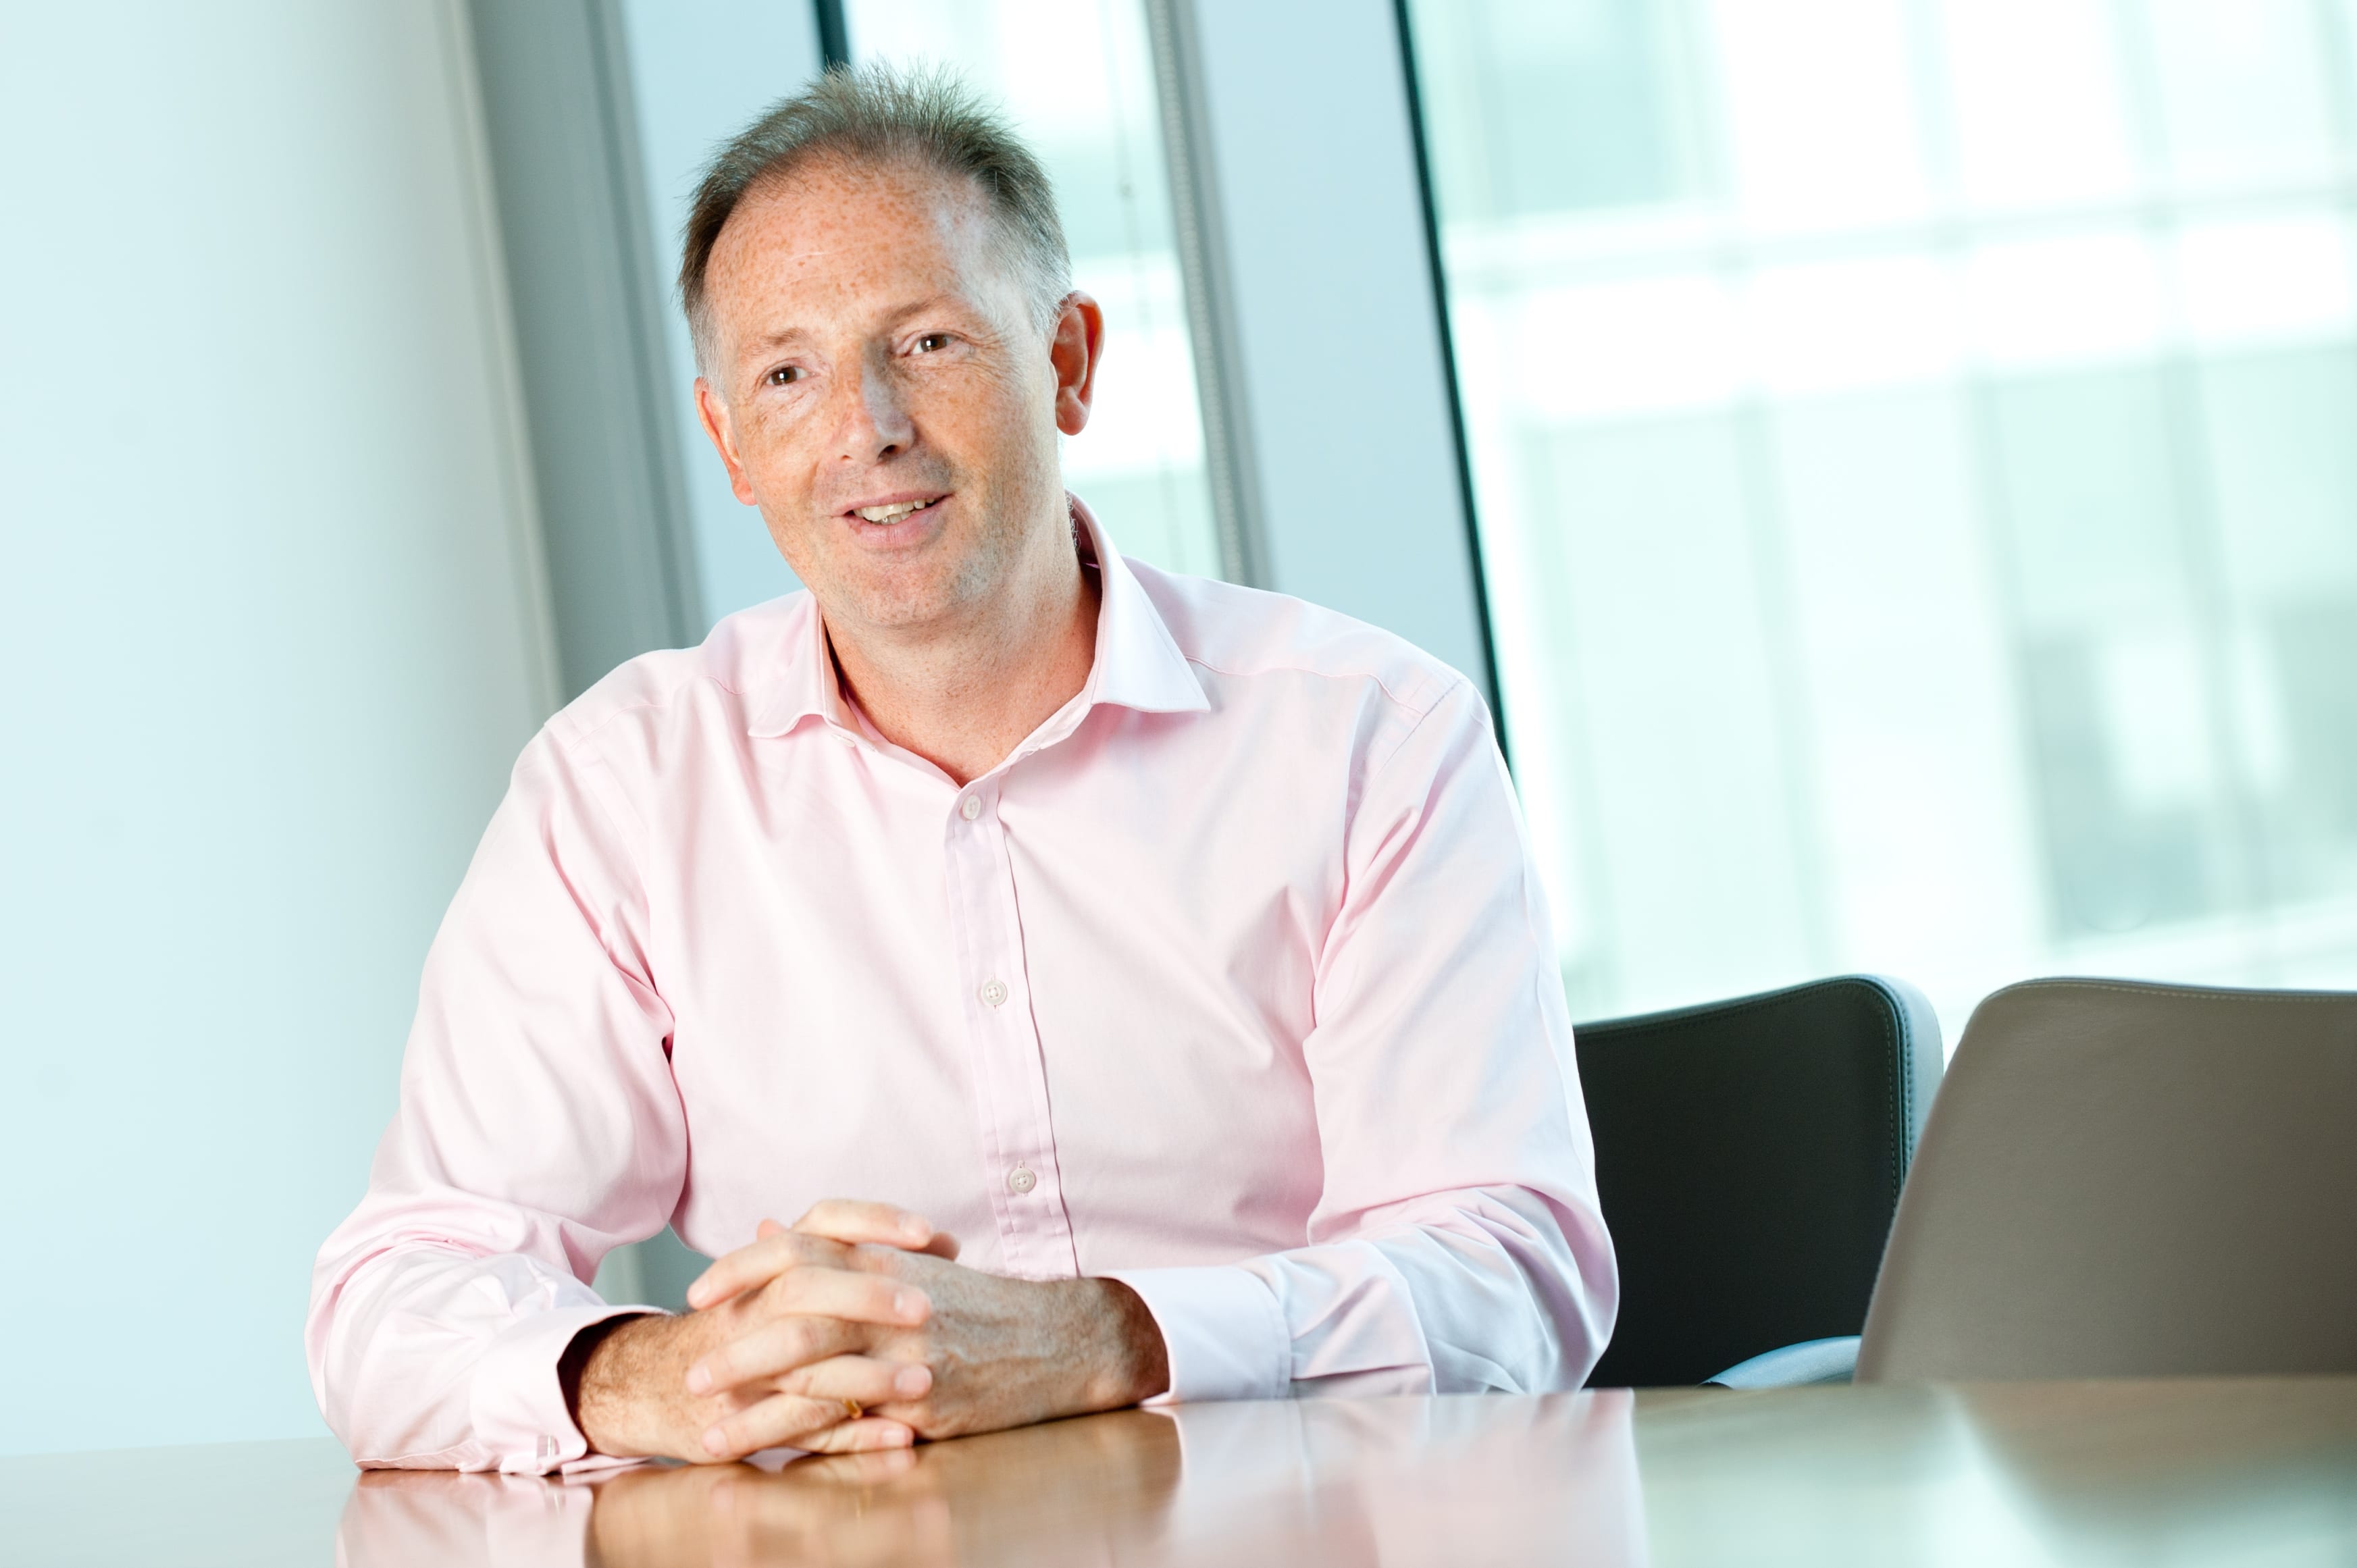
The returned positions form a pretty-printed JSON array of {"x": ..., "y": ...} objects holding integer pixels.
[{"x": 2157, "y": 1473}]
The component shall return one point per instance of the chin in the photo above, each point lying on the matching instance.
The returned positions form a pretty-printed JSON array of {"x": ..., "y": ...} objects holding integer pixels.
[
  {"x": 901, "y": 603},
  {"x": 933, "y": 585}
]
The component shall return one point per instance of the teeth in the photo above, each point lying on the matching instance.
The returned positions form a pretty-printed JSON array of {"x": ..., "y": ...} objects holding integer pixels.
[{"x": 892, "y": 513}]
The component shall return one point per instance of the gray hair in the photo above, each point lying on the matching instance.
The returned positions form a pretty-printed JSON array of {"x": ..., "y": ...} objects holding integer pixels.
[{"x": 874, "y": 113}]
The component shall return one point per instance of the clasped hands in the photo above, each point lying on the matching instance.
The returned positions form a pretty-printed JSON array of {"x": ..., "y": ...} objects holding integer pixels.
[{"x": 856, "y": 1328}]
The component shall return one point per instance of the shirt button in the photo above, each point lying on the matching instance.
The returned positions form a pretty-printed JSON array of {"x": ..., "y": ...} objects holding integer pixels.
[
  {"x": 993, "y": 992},
  {"x": 971, "y": 808},
  {"x": 1020, "y": 1180}
]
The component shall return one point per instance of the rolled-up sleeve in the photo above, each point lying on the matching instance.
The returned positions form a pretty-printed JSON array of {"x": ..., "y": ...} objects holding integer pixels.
[
  {"x": 1457, "y": 1245},
  {"x": 538, "y": 1128}
]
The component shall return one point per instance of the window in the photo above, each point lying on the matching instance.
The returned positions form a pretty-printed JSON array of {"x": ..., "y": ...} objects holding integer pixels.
[
  {"x": 1077, "y": 79},
  {"x": 1915, "y": 443}
]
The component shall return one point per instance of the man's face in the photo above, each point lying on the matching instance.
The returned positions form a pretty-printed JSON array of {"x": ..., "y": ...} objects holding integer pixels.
[{"x": 879, "y": 390}]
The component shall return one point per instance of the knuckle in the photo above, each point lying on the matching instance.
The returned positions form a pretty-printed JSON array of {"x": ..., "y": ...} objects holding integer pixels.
[{"x": 886, "y": 1261}]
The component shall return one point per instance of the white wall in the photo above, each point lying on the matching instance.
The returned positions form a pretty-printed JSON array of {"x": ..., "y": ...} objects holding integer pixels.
[{"x": 269, "y": 636}]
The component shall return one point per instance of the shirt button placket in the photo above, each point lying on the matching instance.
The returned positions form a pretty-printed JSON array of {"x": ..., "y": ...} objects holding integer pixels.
[{"x": 1036, "y": 1243}]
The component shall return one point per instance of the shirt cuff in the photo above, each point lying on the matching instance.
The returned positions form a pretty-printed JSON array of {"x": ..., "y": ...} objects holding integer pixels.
[
  {"x": 518, "y": 1405},
  {"x": 1222, "y": 1329}
]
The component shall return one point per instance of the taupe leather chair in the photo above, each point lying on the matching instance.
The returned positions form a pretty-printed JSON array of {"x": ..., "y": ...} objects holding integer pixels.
[{"x": 2130, "y": 1180}]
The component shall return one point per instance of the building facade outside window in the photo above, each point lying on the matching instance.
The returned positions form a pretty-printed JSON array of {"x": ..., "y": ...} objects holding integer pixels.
[{"x": 1915, "y": 443}]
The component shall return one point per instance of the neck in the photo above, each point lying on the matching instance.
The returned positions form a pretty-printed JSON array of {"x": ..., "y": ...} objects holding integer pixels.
[{"x": 964, "y": 696}]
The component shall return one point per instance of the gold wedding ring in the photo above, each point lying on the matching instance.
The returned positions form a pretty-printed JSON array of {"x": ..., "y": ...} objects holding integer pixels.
[{"x": 853, "y": 1410}]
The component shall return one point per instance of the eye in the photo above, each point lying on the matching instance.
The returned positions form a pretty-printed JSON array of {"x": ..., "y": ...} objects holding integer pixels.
[
  {"x": 784, "y": 374},
  {"x": 932, "y": 341}
]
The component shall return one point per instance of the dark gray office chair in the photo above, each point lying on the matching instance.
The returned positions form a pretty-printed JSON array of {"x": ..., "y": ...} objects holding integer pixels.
[
  {"x": 1749, "y": 1155},
  {"x": 2129, "y": 1180}
]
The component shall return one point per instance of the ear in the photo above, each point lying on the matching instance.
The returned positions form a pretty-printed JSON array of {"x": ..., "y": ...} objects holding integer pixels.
[
  {"x": 1075, "y": 352},
  {"x": 714, "y": 415}
]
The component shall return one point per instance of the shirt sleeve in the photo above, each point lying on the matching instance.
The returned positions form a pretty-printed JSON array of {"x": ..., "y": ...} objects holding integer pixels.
[
  {"x": 1457, "y": 1245},
  {"x": 538, "y": 1128}
]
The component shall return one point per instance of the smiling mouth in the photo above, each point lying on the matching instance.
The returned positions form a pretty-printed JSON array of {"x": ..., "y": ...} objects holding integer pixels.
[{"x": 884, "y": 515}]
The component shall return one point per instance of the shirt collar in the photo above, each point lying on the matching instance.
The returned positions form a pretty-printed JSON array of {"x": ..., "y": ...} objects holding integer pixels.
[{"x": 1137, "y": 665}]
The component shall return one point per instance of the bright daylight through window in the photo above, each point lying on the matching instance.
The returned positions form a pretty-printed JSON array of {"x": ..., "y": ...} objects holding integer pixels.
[
  {"x": 1916, "y": 450},
  {"x": 1076, "y": 77}
]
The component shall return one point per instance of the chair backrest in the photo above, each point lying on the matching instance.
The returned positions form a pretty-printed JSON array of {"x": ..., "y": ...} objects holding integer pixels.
[
  {"x": 2127, "y": 1180},
  {"x": 1749, "y": 1155}
]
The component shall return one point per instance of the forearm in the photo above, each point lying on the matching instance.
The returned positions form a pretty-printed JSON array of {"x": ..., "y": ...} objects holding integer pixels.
[
  {"x": 1496, "y": 1290},
  {"x": 625, "y": 1386},
  {"x": 433, "y": 1357},
  {"x": 1493, "y": 1288},
  {"x": 1122, "y": 1347}
]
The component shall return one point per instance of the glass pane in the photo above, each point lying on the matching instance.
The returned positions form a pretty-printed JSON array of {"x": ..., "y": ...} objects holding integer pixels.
[
  {"x": 1912, "y": 443},
  {"x": 1077, "y": 80}
]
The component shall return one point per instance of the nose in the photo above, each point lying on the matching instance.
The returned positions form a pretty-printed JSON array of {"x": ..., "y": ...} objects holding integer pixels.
[{"x": 874, "y": 423}]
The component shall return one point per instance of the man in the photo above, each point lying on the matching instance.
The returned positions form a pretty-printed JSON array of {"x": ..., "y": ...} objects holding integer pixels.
[{"x": 1174, "y": 945}]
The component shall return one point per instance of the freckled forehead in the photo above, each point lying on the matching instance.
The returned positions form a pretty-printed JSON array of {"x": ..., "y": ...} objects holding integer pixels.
[{"x": 835, "y": 231}]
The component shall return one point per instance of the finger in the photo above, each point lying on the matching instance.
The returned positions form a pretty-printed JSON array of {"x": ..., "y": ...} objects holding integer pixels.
[
  {"x": 939, "y": 1243},
  {"x": 855, "y": 1295},
  {"x": 796, "y": 1421},
  {"x": 862, "y": 1379},
  {"x": 759, "y": 1262},
  {"x": 772, "y": 1350},
  {"x": 852, "y": 1220},
  {"x": 865, "y": 1436}
]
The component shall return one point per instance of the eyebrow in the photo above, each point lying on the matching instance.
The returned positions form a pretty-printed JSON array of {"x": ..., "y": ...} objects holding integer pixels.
[{"x": 788, "y": 337}]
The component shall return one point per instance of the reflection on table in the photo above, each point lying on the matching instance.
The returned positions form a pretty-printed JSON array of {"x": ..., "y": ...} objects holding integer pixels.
[
  {"x": 1340, "y": 1481},
  {"x": 2188, "y": 1472},
  {"x": 2206, "y": 1472}
]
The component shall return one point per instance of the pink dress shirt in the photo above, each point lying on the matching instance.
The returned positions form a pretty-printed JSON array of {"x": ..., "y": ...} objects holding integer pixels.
[{"x": 1234, "y": 981}]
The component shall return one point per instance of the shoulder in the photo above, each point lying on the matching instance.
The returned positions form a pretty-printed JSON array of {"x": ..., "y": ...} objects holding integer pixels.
[
  {"x": 670, "y": 692},
  {"x": 1252, "y": 637}
]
